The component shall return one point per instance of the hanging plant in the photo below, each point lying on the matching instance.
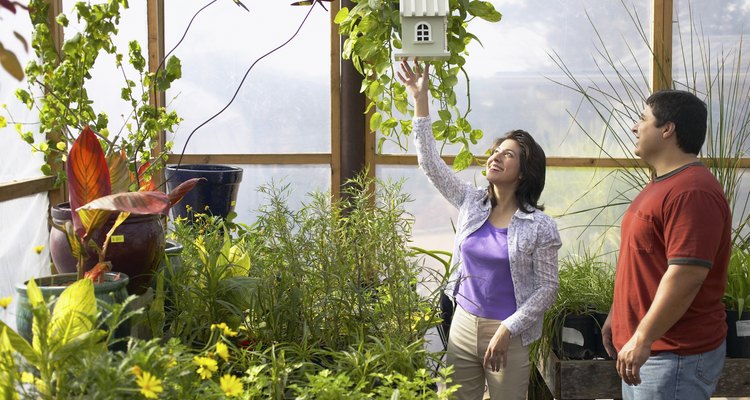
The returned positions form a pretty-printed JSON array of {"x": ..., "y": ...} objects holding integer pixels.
[{"x": 373, "y": 30}]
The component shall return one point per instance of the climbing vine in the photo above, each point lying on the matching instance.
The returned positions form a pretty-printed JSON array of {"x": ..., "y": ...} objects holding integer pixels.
[{"x": 372, "y": 28}]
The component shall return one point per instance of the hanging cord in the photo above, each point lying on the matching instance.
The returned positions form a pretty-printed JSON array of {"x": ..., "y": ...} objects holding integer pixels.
[{"x": 179, "y": 162}]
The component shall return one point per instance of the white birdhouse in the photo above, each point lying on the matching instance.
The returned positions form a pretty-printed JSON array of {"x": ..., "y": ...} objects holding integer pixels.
[{"x": 424, "y": 27}]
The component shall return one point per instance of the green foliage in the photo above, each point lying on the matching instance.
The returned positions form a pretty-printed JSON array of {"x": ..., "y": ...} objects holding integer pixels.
[
  {"x": 211, "y": 285},
  {"x": 373, "y": 32},
  {"x": 340, "y": 267},
  {"x": 57, "y": 88},
  {"x": 737, "y": 293},
  {"x": 58, "y": 337}
]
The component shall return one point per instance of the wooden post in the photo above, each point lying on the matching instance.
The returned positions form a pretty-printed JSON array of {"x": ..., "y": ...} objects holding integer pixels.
[
  {"x": 155, "y": 17},
  {"x": 335, "y": 86},
  {"x": 60, "y": 194},
  {"x": 353, "y": 127},
  {"x": 661, "y": 45}
]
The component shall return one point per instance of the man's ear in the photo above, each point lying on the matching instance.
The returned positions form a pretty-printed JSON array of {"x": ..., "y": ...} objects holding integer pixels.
[{"x": 668, "y": 129}]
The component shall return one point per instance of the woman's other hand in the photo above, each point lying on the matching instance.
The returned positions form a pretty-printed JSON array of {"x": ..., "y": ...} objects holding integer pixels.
[{"x": 496, "y": 356}]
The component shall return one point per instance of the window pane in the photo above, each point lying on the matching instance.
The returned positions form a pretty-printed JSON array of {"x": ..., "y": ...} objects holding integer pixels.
[
  {"x": 512, "y": 75},
  {"x": 283, "y": 105},
  {"x": 301, "y": 179}
]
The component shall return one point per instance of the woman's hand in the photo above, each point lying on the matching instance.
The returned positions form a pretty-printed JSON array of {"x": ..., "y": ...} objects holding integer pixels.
[
  {"x": 496, "y": 356},
  {"x": 417, "y": 85}
]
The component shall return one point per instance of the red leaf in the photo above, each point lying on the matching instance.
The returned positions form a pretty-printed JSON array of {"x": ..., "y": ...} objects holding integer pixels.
[
  {"x": 180, "y": 191},
  {"x": 9, "y": 5},
  {"x": 153, "y": 202},
  {"x": 88, "y": 175}
]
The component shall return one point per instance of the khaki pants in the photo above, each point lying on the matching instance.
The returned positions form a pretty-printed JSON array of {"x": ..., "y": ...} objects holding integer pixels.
[{"x": 469, "y": 337}]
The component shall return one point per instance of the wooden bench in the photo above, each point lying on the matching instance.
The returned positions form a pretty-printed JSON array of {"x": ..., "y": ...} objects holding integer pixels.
[{"x": 598, "y": 379}]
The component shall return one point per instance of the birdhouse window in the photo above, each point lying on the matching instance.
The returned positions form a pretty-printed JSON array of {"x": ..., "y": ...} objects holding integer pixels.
[{"x": 423, "y": 33}]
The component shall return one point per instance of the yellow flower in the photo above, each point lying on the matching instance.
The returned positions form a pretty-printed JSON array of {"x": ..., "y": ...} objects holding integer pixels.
[
  {"x": 225, "y": 329},
  {"x": 27, "y": 377},
  {"x": 206, "y": 366},
  {"x": 136, "y": 370},
  {"x": 222, "y": 350},
  {"x": 231, "y": 385},
  {"x": 5, "y": 301},
  {"x": 149, "y": 384}
]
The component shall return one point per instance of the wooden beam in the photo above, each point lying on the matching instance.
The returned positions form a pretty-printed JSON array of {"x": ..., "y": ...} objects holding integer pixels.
[
  {"x": 583, "y": 162},
  {"x": 249, "y": 159},
  {"x": 661, "y": 45},
  {"x": 26, "y": 187}
]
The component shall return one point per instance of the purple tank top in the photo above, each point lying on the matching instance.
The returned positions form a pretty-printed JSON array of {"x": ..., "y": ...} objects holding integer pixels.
[{"x": 486, "y": 287}]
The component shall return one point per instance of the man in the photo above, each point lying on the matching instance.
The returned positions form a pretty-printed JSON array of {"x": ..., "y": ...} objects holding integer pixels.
[{"x": 667, "y": 322}]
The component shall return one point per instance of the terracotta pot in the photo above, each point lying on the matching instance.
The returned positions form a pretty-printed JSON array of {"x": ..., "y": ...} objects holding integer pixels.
[{"x": 136, "y": 248}]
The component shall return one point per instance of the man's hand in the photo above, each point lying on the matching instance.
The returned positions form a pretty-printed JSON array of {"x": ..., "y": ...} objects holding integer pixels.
[
  {"x": 631, "y": 357},
  {"x": 607, "y": 337}
]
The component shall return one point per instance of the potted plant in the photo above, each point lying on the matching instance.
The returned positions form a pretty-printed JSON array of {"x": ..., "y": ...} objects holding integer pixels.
[
  {"x": 737, "y": 301},
  {"x": 57, "y": 87},
  {"x": 92, "y": 203},
  {"x": 572, "y": 326}
]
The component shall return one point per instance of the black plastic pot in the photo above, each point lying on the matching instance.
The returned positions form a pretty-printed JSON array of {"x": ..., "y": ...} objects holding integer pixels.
[
  {"x": 738, "y": 334},
  {"x": 578, "y": 339},
  {"x": 215, "y": 195}
]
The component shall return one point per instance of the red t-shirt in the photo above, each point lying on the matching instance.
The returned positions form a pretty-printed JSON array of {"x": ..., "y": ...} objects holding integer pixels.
[{"x": 680, "y": 218}]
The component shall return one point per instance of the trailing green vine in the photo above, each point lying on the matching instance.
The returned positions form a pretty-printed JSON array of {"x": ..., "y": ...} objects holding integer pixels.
[{"x": 373, "y": 32}]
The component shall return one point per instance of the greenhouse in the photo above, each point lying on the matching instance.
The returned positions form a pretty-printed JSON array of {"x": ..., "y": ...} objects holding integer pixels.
[{"x": 381, "y": 199}]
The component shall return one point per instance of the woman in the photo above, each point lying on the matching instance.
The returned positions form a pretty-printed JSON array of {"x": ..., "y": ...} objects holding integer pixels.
[{"x": 505, "y": 251}]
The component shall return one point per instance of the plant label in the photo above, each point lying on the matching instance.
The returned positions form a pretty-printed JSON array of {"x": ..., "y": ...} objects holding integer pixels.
[
  {"x": 117, "y": 239},
  {"x": 743, "y": 328},
  {"x": 573, "y": 336}
]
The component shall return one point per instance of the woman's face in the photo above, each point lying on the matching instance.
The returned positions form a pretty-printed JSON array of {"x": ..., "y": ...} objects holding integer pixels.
[{"x": 504, "y": 164}]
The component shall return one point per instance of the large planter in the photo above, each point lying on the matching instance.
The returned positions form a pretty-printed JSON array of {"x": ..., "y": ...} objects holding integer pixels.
[
  {"x": 136, "y": 248},
  {"x": 738, "y": 334},
  {"x": 111, "y": 290},
  {"x": 215, "y": 195}
]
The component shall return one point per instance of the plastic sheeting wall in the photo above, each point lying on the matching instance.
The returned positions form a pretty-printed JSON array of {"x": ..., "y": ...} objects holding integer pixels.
[{"x": 23, "y": 221}]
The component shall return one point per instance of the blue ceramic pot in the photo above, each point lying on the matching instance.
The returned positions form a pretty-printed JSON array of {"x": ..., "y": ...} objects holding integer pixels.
[{"x": 215, "y": 195}]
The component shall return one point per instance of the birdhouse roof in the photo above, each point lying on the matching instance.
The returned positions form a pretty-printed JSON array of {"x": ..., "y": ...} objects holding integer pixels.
[{"x": 424, "y": 8}]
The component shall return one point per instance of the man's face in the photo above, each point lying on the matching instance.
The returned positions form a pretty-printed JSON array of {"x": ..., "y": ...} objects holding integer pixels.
[{"x": 648, "y": 136}]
